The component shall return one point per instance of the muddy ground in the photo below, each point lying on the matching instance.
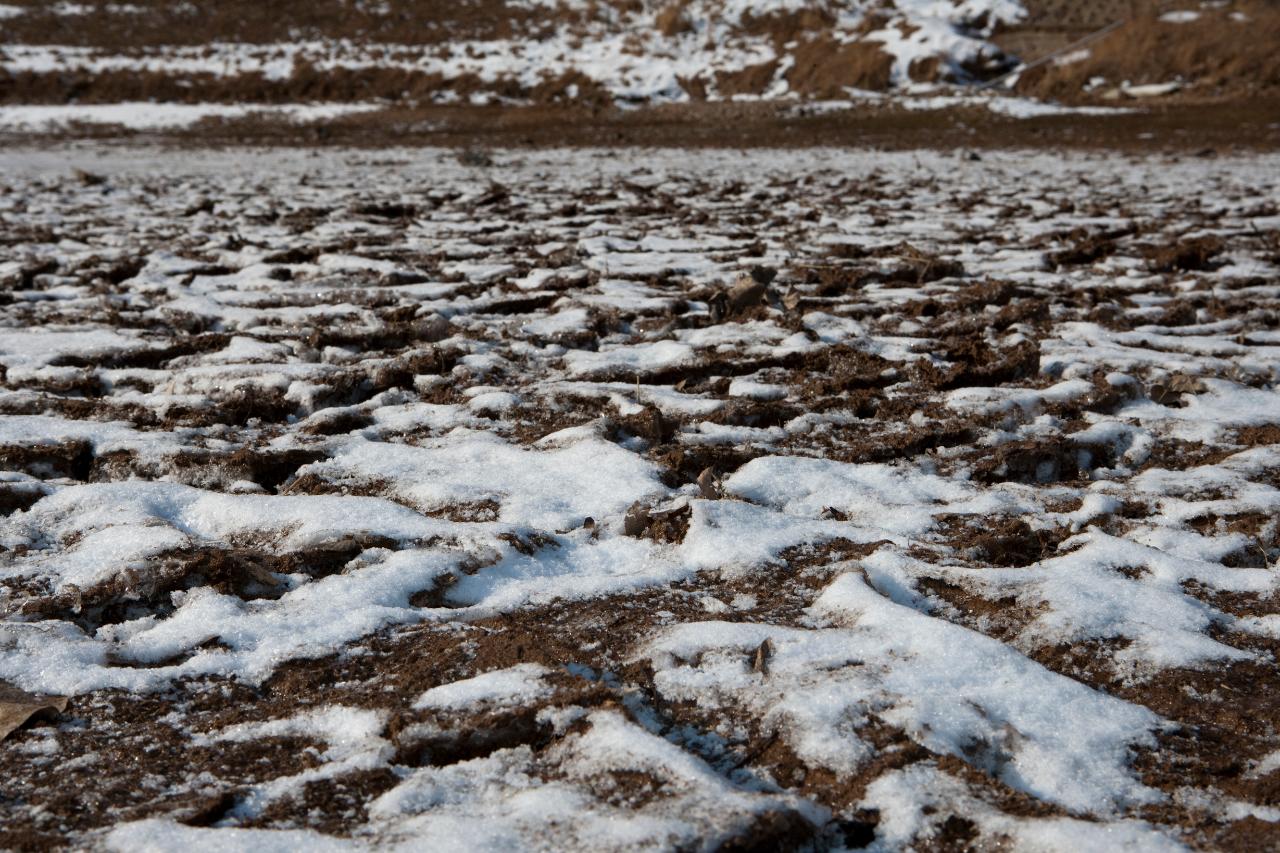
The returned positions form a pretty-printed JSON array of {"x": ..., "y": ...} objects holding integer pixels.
[{"x": 1204, "y": 129}]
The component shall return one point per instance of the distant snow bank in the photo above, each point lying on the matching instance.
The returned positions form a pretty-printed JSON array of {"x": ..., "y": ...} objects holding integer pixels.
[{"x": 152, "y": 116}]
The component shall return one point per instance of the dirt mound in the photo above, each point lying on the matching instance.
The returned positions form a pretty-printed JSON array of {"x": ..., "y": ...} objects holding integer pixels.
[
  {"x": 825, "y": 67},
  {"x": 1227, "y": 51}
]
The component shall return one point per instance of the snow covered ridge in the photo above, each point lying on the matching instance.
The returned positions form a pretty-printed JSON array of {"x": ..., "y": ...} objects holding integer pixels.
[
  {"x": 568, "y": 500},
  {"x": 628, "y": 53},
  {"x": 159, "y": 116}
]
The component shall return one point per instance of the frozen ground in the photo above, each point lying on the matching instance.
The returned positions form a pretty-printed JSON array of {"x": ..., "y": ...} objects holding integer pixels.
[
  {"x": 510, "y": 50},
  {"x": 669, "y": 499}
]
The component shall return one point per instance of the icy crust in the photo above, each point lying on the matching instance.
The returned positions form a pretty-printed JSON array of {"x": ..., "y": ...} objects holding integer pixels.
[
  {"x": 399, "y": 410},
  {"x": 950, "y": 689},
  {"x": 908, "y": 798},
  {"x": 549, "y": 489},
  {"x": 163, "y": 836},
  {"x": 1090, "y": 595},
  {"x": 352, "y": 737},
  {"x": 520, "y": 684},
  {"x": 494, "y": 804},
  {"x": 500, "y": 803}
]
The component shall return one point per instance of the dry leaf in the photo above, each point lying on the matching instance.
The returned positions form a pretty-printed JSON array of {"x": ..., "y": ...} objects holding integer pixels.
[
  {"x": 709, "y": 484},
  {"x": 745, "y": 293},
  {"x": 259, "y": 574},
  {"x": 18, "y": 706},
  {"x": 1169, "y": 392},
  {"x": 718, "y": 307},
  {"x": 760, "y": 659},
  {"x": 1181, "y": 383},
  {"x": 637, "y": 520}
]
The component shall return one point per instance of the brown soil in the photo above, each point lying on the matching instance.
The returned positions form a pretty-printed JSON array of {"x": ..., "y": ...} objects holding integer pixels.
[
  {"x": 1215, "y": 56},
  {"x": 161, "y": 23},
  {"x": 1199, "y": 128}
]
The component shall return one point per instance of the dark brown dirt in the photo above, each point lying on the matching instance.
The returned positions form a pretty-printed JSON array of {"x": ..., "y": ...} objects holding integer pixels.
[
  {"x": 1221, "y": 126},
  {"x": 1216, "y": 56}
]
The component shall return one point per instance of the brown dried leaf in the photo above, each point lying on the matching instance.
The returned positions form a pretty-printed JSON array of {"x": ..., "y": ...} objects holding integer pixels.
[
  {"x": 18, "y": 706},
  {"x": 637, "y": 520},
  {"x": 669, "y": 525},
  {"x": 259, "y": 574},
  {"x": 1181, "y": 383},
  {"x": 709, "y": 484},
  {"x": 745, "y": 293},
  {"x": 760, "y": 658}
]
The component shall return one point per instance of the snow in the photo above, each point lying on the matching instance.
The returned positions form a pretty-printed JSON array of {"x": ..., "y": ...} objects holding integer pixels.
[
  {"x": 1052, "y": 736},
  {"x": 165, "y": 836},
  {"x": 896, "y": 499},
  {"x": 628, "y": 360},
  {"x": 905, "y": 798},
  {"x": 157, "y": 116},
  {"x": 28, "y": 348},
  {"x": 754, "y": 390},
  {"x": 499, "y": 803},
  {"x": 550, "y": 488},
  {"x": 1152, "y": 90},
  {"x": 352, "y": 735},
  {"x": 518, "y": 685}
]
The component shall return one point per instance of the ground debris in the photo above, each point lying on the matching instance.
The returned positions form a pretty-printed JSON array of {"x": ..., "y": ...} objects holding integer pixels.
[{"x": 18, "y": 706}]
